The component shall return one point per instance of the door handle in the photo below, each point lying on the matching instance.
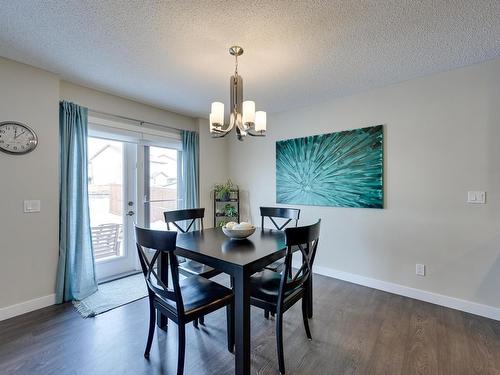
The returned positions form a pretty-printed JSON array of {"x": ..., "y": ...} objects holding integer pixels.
[{"x": 130, "y": 213}]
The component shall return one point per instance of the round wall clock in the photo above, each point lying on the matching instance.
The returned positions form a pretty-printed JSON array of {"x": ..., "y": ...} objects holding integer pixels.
[{"x": 17, "y": 138}]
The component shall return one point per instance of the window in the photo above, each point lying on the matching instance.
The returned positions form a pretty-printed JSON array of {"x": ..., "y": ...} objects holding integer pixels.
[
  {"x": 161, "y": 184},
  {"x": 105, "y": 189}
]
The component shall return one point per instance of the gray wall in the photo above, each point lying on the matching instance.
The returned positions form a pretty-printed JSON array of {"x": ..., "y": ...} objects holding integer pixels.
[
  {"x": 213, "y": 167},
  {"x": 29, "y": 242},
  {"x": 100, "y": 101},
  {"x": 442, "y": 138}
]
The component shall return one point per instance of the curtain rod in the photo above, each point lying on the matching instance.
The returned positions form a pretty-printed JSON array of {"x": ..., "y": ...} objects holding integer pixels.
[{"x": 141, "y": 122}]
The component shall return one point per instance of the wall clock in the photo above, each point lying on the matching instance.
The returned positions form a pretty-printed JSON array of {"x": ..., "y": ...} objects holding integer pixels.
[{"x": 17, "y": 138}]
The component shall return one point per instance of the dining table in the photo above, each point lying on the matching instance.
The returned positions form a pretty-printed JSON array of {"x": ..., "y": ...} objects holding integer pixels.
[{"x": 239, "y": 258}]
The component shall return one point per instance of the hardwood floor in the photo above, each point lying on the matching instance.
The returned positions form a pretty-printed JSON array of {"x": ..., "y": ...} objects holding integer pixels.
[{"x": 356, "y": 330}]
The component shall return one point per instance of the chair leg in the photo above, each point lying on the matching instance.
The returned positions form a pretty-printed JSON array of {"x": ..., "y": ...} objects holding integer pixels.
[
  {"x": 181, "y": 349},
  {"x": 202, "y": 320},
  {"x": 305, "y": 306},
  {"x": 279, "y": 341},
  {"x": 152, "y": 324},
  {"x": 266, "y": 314},
  {"x": 310, "y": 298},
  {"x": 230, "y": 327},
  {"x": 195, "y": 323}
]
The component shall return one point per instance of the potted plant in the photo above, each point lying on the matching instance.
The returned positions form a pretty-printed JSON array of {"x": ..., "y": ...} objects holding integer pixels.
[
  {"x": 230, "y": 210},
  {"x": 223, "y": 191}
]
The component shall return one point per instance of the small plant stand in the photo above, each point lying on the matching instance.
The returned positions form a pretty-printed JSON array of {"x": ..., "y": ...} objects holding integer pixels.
[{"x": 220, "y": 217}]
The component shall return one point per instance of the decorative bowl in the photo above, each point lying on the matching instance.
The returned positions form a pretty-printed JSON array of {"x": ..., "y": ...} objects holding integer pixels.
[{"x": 238, "y": 234}]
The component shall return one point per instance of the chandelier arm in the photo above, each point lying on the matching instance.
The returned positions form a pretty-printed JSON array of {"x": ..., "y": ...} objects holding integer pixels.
[
  {"x": 227, "y": 129},
  {"x": 259, "y": 134},
  {"x": 220, "y": 135}
]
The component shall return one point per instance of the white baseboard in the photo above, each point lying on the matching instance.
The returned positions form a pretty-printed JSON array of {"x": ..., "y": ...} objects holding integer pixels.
[
  {"x": 435, "y": 298},
  {"x": 27, "y": 306}
]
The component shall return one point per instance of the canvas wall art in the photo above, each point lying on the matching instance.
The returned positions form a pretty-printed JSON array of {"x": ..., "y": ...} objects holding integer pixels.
[{"x": 342, "y": 169}]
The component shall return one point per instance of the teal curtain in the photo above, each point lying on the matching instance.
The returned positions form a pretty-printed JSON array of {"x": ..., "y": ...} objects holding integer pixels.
[
  {"x": 76, "y": 277},
  {"x": 190, "y": 169}
]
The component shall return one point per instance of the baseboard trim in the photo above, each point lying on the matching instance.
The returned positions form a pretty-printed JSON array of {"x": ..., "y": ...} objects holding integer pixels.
[
  {"x": 406, "y": 291},
  {"x": 27, "y": 306}
]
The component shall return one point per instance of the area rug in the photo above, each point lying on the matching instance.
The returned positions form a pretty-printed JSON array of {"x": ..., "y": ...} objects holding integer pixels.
[{"x": 112, "y": 295}]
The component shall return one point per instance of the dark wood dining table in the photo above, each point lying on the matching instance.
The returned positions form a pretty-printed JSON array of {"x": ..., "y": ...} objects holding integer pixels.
[{"x": 239, "y": 259}]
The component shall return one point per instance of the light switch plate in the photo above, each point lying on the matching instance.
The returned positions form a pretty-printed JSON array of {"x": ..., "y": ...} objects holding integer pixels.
[
  {"x": 420, "y": 269},
  {"x": 31, "y": 206},
  {"x": 476, "y": 197}
]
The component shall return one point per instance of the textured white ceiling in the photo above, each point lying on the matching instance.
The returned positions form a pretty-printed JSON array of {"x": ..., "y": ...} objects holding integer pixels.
[{"x": 173, "y": 54}]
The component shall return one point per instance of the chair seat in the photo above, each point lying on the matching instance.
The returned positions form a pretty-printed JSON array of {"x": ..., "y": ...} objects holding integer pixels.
[
  {"x": 198, "y": 292},
  {"x": 265, "y": 286}
]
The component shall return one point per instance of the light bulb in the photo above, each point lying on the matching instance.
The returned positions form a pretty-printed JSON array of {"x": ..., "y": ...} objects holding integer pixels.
[
  {"x": 260, "y": 121},
  {"x": 211, "y": 123},
  {"x": 217, "y": 113},
  {"x": 248, "y": 112}
]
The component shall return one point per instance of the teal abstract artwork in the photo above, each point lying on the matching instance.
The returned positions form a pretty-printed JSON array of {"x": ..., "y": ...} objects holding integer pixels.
[{"x": 343, "y": 169}]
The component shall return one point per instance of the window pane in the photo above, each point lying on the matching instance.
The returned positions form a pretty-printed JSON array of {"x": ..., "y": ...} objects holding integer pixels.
[
  {"x": 162, "y": 184},
  {"x": 105, "y": 185}
]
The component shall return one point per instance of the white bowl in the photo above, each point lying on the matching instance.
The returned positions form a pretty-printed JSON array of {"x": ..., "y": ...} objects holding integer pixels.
[{"x": 238, "y": 234}]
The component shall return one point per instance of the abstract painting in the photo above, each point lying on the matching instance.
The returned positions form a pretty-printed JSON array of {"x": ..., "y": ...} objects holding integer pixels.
[{"x": 343, "y": 169}]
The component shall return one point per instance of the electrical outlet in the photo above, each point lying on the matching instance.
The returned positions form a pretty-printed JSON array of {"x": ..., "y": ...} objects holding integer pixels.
[{"x": 420, "y": 269}]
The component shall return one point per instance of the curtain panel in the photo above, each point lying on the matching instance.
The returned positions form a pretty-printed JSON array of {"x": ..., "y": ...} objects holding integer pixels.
[
  {"x": 190, "y": 170},
  {"x": 76, "y": 278}
]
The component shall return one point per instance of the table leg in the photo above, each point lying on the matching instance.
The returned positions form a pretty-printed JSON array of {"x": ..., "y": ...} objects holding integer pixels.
[
  {"x": 242, "y": 323},
  {"x": 162, "y": 320}
]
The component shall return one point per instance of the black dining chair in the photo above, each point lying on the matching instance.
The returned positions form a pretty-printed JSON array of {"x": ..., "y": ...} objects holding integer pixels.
[
  {"x": 291, "y": 215},
  {"x": 188, "y": 267},
  {"x": 272, "y": 213},
  {"x": 277, "y": 292},
  {"x": 187, "y": 300}
]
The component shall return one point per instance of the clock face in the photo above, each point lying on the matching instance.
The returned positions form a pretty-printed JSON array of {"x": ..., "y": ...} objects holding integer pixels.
[{"x": 17, "y": 138}]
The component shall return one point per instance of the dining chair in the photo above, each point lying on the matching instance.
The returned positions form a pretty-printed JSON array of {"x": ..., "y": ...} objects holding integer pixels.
[
  {"x": 277, "y": 292},
  {"x": 188, "y": 267},
  {"x": 272, "y": 213},
  {"x": 187, "y": 300},
  {"x": 291, "y": 214}
]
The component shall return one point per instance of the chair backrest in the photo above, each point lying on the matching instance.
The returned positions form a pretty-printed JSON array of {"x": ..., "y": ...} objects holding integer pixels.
[
  {"x": 161, "y": 242},
  {"x": 174, "y": 217},
  {"x": 306, "y": 240},
  {"x": 279, "y": 212}
]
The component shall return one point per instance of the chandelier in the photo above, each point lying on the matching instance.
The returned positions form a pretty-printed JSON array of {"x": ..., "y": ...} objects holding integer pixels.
[{"x": 242, "y": 113}]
